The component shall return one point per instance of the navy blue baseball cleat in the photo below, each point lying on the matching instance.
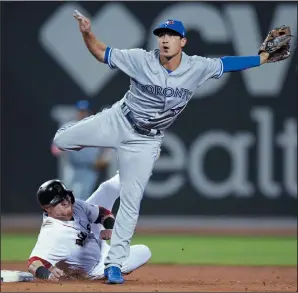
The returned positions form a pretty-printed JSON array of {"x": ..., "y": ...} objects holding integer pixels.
[{"x": 113, "y": 275}]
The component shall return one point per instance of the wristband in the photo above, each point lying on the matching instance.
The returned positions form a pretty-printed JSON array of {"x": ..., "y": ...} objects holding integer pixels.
[
  {"x": 108, "y": 223},
  {"x": 42, "y": 273}
]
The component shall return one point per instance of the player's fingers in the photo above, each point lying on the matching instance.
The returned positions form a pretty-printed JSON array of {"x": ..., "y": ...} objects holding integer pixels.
[
  {"x": 61, "y": 273},
  {"x": 52, "y": 278},
  {"x": 58, "y": 273},
  {"x": 85, "y": 22},
  {"x": 80, "y": 17},
  {"x": 80, "y": 20},
  {"x": 82, "y": 23},
  {"x": 77, "y": 14},
  {"x": 55, "y": 274}
]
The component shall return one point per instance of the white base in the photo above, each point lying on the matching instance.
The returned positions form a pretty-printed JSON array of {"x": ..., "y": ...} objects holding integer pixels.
[{"x": 15, "y": 276}]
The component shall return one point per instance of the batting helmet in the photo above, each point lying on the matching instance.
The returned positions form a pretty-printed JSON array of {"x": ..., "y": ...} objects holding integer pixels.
[{"x": 53, "y": 192}]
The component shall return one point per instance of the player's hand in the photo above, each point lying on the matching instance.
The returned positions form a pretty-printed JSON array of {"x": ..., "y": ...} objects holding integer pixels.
[
  {"x": 264, "y": 57},
  {"x": 55, "y": 275},
  {"x": 106, "y": 234},
  {"x": 84, "y": 22}
]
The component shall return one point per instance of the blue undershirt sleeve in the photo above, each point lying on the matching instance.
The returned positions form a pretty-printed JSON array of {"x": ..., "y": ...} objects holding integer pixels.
[{"x": 238, "y": 63}]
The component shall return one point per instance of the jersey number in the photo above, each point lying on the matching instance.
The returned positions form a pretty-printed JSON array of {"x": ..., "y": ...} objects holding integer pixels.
[{"x": 81, "y": 238}]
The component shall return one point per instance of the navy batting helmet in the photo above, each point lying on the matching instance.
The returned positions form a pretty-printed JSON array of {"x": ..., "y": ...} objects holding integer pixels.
[{"x": 53, "y": 192}]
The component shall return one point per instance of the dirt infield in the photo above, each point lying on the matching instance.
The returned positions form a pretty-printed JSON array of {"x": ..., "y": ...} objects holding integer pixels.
[{"x": 174, "y": 278}]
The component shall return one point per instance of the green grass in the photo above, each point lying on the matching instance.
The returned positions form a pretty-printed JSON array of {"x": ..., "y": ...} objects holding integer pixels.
[
  {"x": 221, "y": 250},
  {"x": 184, "y": 249}
]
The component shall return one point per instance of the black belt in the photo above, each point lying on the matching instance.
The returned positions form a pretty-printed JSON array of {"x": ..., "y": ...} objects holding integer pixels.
[{"x": 141, "y": 130}]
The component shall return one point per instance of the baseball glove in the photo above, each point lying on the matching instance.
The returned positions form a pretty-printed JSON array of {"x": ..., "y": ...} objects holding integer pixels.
[{"x": 277, "y": 44}]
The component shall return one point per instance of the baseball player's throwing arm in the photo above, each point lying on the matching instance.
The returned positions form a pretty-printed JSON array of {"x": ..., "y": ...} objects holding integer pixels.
[
  {"x": 96, "y": 48},
  {"x": 38, "y": 270}
]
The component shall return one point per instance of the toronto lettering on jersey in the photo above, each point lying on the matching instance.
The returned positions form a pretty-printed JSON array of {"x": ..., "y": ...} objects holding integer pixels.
[{"x": 167, "y": 92}]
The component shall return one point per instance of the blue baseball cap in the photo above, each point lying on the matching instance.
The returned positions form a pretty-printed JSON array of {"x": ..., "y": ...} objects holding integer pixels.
[
  {"x": 82, "y": 105},
  {"x": 173, "y": 25}
]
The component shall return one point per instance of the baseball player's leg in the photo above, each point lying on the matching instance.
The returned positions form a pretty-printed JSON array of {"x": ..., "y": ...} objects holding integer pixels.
[
  {"x": 93, "y": 131},
  {"x": 136, "y": 162},
  {"x": 139, "y": 255},
  {"x": 105, "y": 195}
]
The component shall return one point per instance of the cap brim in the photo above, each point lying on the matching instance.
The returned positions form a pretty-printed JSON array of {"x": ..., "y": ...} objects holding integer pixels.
[{"x": 162, "y": 29}]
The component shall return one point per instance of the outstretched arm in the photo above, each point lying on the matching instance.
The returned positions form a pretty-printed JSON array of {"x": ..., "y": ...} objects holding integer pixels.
[
  {"x": 96, "y": 47},
  {"x": 237, "y": 63}
]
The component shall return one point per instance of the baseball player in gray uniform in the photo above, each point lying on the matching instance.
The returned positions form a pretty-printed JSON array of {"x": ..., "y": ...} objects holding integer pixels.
[{"x": 162, "y": 82}]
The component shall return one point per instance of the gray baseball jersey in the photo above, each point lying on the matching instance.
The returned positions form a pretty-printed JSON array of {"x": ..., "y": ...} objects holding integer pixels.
[{"x": 156, "y": 97}]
